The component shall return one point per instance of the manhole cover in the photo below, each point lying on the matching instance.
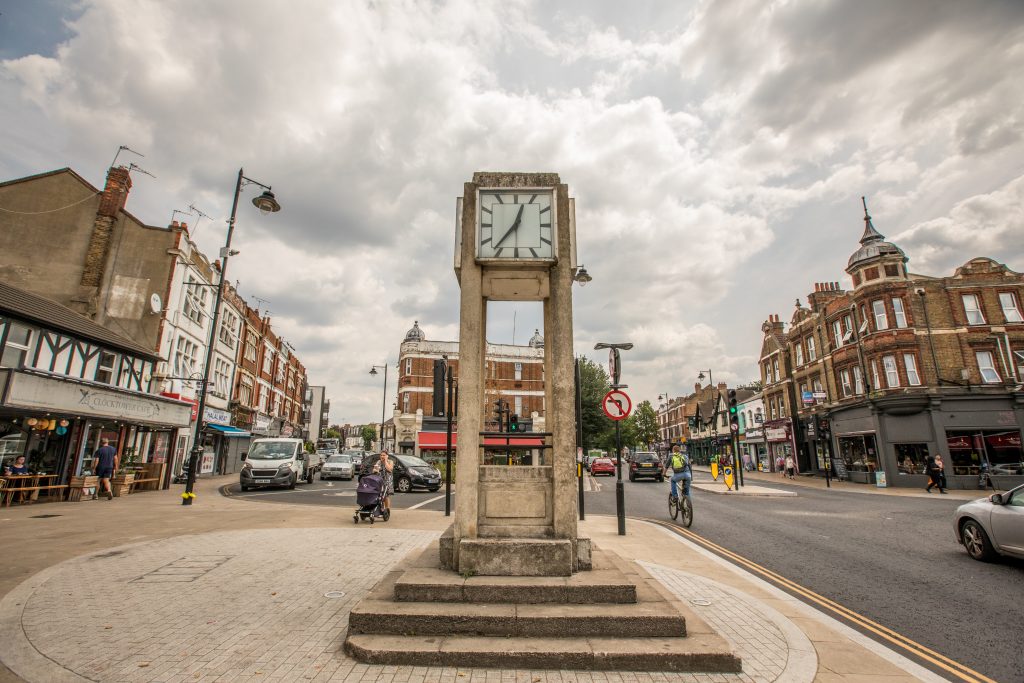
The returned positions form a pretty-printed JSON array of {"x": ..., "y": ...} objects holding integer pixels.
[
  {"x": 43, "y": 516},
  {"x": 334, "y": 594},
  {"x": 701, "y": 602}
]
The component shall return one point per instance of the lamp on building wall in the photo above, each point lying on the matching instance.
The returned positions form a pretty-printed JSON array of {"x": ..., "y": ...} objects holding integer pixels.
[{"x": 266, "y": 203}]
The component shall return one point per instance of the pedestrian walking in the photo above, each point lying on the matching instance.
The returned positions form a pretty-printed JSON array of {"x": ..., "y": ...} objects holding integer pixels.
[
  {"x": 942, "y": 473},
  {"x": 932, "y": 467},
  {"x": 780, "y": 463},
  {"x": 385, "y": 468},
  {"x": 104, "y": 462},
  {"x": 790, "y": 467}
]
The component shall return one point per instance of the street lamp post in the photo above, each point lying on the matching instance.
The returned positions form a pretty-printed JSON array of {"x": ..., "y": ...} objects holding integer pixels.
[
  {"x": 266, "y": 203},
  {"x": 384, "y": 399},
  {"x": 711, "y": 382}
]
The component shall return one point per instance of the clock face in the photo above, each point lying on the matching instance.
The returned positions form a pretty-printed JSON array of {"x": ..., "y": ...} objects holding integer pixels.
[{"x": 516, "y": 224}]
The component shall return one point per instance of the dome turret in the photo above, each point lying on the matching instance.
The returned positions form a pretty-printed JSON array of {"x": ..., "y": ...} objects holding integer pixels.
[
  {"x": 415, "y": 334},
  {"x": 873, "y": 246},
  {"x": 537, "y": 341}
]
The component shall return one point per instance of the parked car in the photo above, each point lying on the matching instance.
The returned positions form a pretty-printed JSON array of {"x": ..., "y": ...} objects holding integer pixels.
[
  {"x": 990, "y": 526},
  {"x": 646, "y": 464},
  {"x": 602, "y": 466},
  {"x": 338, "y": 467},
  {"x": 276, "y": 462},
  {"x": 409, "y": 472}
]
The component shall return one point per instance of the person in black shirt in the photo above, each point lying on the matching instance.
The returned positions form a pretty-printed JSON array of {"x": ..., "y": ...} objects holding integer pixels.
[{"x": 104, "y": 463}]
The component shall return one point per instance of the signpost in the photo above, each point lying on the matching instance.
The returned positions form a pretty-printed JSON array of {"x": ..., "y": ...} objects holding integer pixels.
[{"x": 617, "y": 406}]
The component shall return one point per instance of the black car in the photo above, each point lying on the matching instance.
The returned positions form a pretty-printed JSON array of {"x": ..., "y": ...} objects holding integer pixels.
[
  {"x": 646, "y": 465},
  {"x": 409, "y": 472}
]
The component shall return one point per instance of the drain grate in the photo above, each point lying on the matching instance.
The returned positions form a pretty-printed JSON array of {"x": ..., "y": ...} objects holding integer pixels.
[
  {"x": 184, "y": 570},
  {"x": 701, "y": 602},
  {"x": 44, "y": 516},
  {"x": 334, "y": 594}
]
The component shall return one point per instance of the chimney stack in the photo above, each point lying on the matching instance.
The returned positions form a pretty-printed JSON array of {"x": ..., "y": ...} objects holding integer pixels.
[{"x": 112, "y": 201}]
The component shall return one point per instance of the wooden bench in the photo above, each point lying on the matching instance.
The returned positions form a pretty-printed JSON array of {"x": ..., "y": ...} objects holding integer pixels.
[
  {"x": 148, "y": 477},
  {"x": 33, "y": 490}
]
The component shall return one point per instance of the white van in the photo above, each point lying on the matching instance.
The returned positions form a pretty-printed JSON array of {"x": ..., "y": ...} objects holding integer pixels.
[{"x": 276, "y": 462}]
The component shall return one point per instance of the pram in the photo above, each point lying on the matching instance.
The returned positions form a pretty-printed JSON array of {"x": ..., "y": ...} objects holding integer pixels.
[{"x": 369, "y": 499}]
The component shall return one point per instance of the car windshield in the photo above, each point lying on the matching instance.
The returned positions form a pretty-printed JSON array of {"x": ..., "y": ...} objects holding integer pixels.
[
  {"x": 340, "y": 459},
  {"x": 271, "y": 450},
  {"x": 603, "y": 461},
  {"x": 353, "y": 453},
  {"x": 645, "y": 457},
  {"x": 412, "y": 461}
]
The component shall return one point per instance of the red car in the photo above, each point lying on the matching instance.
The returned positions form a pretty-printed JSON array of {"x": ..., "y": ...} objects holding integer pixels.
[{"x": 602, "y": 466}]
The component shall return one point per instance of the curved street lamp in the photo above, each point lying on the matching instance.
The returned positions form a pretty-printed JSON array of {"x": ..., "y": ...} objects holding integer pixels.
[
  {"x": 266, "y": 203},
  {"x": 384, "y": 398}
]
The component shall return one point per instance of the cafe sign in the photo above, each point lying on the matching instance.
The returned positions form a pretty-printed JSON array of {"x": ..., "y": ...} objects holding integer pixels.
[{"x": 57, "y": 395}]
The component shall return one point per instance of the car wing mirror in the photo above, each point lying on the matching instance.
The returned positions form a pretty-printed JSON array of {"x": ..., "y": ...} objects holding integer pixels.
[{"x": 996, "y": 498}]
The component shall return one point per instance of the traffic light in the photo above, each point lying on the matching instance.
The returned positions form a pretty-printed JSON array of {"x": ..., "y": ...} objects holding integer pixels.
[
  {"x": 734, "y": 412},
  {"x": 513, "y": 423},
  {"x": 499, "y": 413}
]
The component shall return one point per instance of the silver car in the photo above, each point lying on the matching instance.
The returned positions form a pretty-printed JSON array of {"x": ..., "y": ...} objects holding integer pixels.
[
  {"x": 338, "y": 467},
  {"x": 993, "y": 525}
]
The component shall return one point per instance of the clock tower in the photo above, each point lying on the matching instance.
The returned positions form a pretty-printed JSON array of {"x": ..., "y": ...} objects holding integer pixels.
[{"x": 515, "y": 241}]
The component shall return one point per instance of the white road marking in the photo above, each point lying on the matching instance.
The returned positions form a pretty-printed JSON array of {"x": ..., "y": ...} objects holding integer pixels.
[{"x": 425, "y": 502}]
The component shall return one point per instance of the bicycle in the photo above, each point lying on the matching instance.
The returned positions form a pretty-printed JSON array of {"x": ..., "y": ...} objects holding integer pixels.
[{"x": 685, "y": 506}]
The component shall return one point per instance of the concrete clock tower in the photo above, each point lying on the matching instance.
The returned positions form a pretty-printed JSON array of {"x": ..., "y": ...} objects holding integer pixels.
[{"x": 515, "y": 241}]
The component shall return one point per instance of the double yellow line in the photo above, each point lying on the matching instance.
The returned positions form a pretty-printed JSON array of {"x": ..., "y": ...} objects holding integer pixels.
[{"x": 956, "y": 669}]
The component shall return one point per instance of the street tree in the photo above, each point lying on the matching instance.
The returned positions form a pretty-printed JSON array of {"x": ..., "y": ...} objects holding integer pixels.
[
  {"x": 646, "y": 424},
  {"x": 332, "y": 433},
  {"x": 369, "y": 433},
  {"x": 598, "y": 430}
]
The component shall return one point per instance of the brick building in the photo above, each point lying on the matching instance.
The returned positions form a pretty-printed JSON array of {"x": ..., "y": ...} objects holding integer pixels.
[
  {"x": 514, "y": 374},
  {"x": 901, "y": 366}
]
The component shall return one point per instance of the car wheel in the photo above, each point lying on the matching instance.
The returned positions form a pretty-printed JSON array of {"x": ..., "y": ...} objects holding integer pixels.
[
  {"x": 434, "y": 490},
  {"x": 403, "y": 485},
  {"x": 244, "y": 488},
  {"x": 976, "y": 541},
  {"x": 291, "y": 484},
  {"x": 309, "y": 477},
  {"x": 632, "y": 477}
]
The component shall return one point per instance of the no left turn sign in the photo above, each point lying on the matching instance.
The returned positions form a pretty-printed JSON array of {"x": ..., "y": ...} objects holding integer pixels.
[{"x": 616, "y": 405}]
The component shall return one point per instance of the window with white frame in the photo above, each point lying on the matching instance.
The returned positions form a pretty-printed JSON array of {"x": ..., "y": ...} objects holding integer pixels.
[
  {"x": 1018, "y": 359},
  {"x": 899, "y": 311},
  {"x": 844, "y": 380},
  {"x": 19, "y": 339},
  {"x": 279, "y": 372},
  {"x": 876, "y": 379},
  {"x": 228, "y": 333},
  {"x": 185, "y": 354},
  {"x": 812, "y": 353},
  {"x": 221, "y": 376},
  {"x": 799, "y": 349},
  {"x": 848, "y": 326},
  {"x": 892, "y": 374},
  {"x": 405, "y": 402},
  {"x": 250, "y": 347},
  {"x": 105, "y": 369},
  {"x": 837, "y": 331},
  {"x": 245, "y": 391},
  {"x": 987, "y": 367},
  {"x": 782, "y": 407},
  {"x": 910, "y": 363},
  {"x": 818, "y": 389},
  {"x": 268, "y": 360},
  {"x": 518, "y": 371},
  {"x": 408, "y": 366},
  {"x": 972, "y": 309},
  {"x": 881, "y": 317},
  {"x": 1011, "y": 309},
  {"x": 775, "y": 369},
  {"x": 518, "y": 402},
  {"x": 771, "y": 408},
  {"x": 858, "y": 381}
]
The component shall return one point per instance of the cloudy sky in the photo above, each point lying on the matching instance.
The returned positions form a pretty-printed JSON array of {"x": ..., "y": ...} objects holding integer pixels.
[{"x": 717, "y": 152}]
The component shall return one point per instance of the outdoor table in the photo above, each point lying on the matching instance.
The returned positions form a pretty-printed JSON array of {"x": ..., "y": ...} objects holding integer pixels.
[{"x": 25, "y": 483}]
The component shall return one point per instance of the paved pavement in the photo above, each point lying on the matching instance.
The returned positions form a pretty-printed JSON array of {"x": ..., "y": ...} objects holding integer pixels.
[{"x": 143, "y": 589}]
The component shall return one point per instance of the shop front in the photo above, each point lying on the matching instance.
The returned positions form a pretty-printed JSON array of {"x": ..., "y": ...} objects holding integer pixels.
[
  {"x": 754, "y": 450},
  {"x": 59, "y": 423},
  {"x": 223, "y": 444},
  {"x": 778, "y": 435}
]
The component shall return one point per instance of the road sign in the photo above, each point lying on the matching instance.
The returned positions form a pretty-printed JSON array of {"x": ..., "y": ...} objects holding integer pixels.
[
  {"x": 616, "y": 405},
  {"x": 614, "y": 366},
  {"x": 734, "y": 427}
]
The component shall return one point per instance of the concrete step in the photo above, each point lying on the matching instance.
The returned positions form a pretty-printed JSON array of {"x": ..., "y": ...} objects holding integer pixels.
[
  {"x": 697, "y": 653},
  {"x": 652, "y": 619}
]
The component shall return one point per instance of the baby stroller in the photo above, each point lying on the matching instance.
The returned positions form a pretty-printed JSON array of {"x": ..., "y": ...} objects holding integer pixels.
[{"x": 369, "y": 499}]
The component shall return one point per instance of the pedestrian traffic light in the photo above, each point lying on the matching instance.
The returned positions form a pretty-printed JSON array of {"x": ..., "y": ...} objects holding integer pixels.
[
  {"x": 734, "y": 411},
  {"x": 513, "y": 423}
]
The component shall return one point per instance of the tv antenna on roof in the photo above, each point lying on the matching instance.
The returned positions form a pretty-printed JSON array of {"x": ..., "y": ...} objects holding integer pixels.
[
  {"x": 136, "y": 167},
  {"x": 260, "y": 302},
  {"x": 197, "y": 212},
  {"x": 125, "y": 148}
]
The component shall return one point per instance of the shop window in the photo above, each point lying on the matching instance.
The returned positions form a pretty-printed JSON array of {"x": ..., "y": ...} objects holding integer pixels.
[
  {"x": 1011, "y": 310},
  {"x": 799, "y": 350},
  {"x": 881, "y": 317},
  {"x": 999, "y": 450},
  {"x": 858, "y": 452},
  {"x": 900, "y": 312},
  {"x": 910, "y": 457},
  {"x": 910, "y": 363},
  {"x": 19, "y": 338},
  {"x": 892, "y": 375},
  {"x": 987, "y": 367},
  {"x": 811, "y": 351},
  {"x": 972, "y": 309}
]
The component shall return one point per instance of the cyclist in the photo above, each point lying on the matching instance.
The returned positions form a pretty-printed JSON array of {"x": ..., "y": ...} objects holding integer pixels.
[{"x": 680, "y": 472}]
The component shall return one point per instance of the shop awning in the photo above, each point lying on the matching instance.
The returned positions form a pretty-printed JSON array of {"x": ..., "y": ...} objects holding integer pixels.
[
  {"x": 438, "y": 440},
  {"x": 228, "y": 430}
]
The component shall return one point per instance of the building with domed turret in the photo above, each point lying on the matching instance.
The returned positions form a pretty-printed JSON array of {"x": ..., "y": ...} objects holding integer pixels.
[
  {"x": 514, "y": 374},
  {"x": 876, "y": 378}
]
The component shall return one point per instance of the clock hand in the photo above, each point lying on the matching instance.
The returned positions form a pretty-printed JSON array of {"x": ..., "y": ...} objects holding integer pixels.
[{"x": 515, "y": 224}]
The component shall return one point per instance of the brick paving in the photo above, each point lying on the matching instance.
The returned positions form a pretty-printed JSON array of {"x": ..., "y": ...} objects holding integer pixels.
[{"x": 250, "y": 606}]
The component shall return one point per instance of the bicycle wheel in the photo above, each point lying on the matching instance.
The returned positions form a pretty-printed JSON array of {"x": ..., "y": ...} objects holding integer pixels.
[
  {"x": 686, "y": 507},
  {"x": 673, "y": 507}
]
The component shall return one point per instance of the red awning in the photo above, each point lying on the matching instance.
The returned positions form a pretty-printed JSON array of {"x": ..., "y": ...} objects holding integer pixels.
[{"x": 438, "y": 440}]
